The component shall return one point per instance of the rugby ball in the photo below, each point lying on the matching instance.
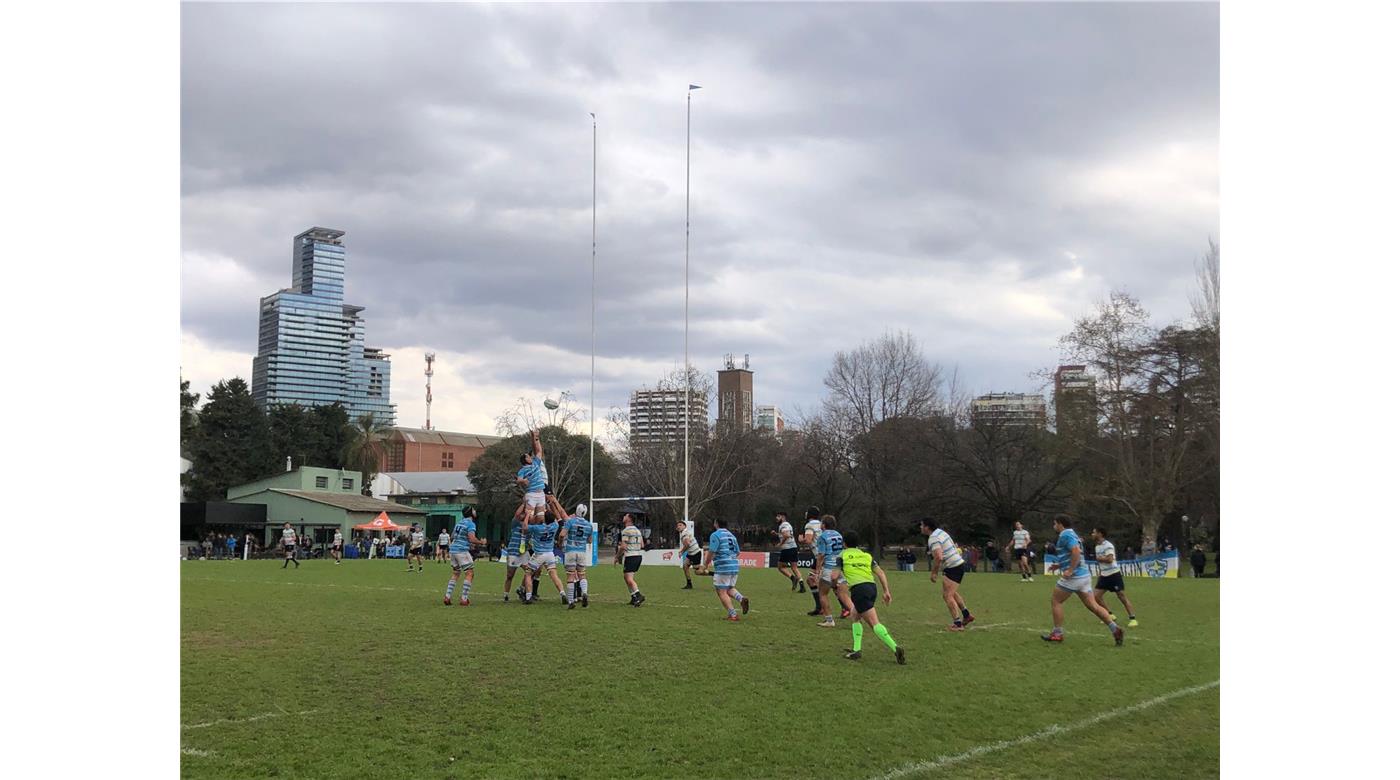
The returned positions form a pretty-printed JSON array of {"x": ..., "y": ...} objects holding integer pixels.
[{"x": 551, "y": 404}]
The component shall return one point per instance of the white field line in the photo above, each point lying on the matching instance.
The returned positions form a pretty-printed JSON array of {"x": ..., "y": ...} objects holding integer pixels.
[
  {"x": 250, "y": 719},
  {"x": 1128, "y": 637},
  {"x": 1045, "y": 733},
  {"x": 187, "y": 751}
]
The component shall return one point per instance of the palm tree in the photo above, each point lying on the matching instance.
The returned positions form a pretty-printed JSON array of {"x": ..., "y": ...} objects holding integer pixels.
[{"x": 366, "y": 448}]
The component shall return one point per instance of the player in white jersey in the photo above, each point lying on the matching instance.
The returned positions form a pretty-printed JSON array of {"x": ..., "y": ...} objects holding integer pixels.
[
  {"x": 689, "y": 550},
  {"x": 337, "y": 546},
  {"x": 289, "y": 546},
  {"x": 1021, "y": 550},
  {"x": 946, "y": 556},
  {"x": 1110, "y": 576},
  {"x": 416, "y": 540},
  {"x": 443, "y": 541},
  {"x": 787, "y": 552},
  {"x": 810, "y": 533},
  {"x": 629, "y": 552}
]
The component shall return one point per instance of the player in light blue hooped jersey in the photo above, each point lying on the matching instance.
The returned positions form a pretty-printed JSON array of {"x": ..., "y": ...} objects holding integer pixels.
[
  {"x": 1074, "y": 579},
  {"x": 723, "y": 560},
  {"x": 459, "y": 551},
  {"x": 543, "y": 535},
  {"x": 515, "y": 553},
  {"x": 577, "y": 532},
  {"x": 829, "y": 547},
  {"x": 533, "y": 477}
]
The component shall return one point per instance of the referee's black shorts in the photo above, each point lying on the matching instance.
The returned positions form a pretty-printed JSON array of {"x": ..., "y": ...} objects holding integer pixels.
[{"x": 863, "y": 597}]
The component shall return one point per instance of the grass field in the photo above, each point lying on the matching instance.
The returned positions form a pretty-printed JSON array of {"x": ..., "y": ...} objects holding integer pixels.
[{"x": 360, "y": 671}]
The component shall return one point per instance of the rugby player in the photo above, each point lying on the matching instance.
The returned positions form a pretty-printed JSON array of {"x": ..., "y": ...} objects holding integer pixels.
[
  {"x": 577, "y": 533},
  {"x": 861, "y": 571},
  {"x": 828, "y": 561},
  {"x": 289, "y": 546},
  {"x": 1021, "y": 549},
  {"x": 689, "y": 551},
  {"x": 460, "y": 550},
  {"x": 810, "y": 533},
  {"x": 1074, "y": 579},
  {"x": 416, "y": 540},
  {"x": 337, "y": 546},
  {"x": 533, "y": 477},
  {"x": 787, "y": 552},
  {"x": 543, "y": 535},
  {"x": 723, "y": 559},
  {"x": 945, "y": 555},
  {"x": 515, "y": 554},
  {"x": 1110, "y": 576},
  {"x": 444, "y": 540},
  {"x": 629, "y": 551}
]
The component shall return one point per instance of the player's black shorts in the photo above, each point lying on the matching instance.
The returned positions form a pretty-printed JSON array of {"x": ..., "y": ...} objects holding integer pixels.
[
  {"x": 1112, "y": 583},
  {"x": 863, "y": 597},
  {"x": 416, "y": 551},
  {"x": 289, "y": 548},
  {"x": 1023, "y": 552},
  {"x": 954, "y": 573},
  {"x": 788, "y": 556},
  {"x": 694, "y": 558},
  {"x": 631, "y": 563}
]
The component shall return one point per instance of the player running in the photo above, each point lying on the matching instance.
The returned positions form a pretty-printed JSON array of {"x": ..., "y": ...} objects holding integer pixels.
[
  {"x": 289, "y": 546},
  {"x": 416, "y": 540},
  {"x": 1021, "y": 550},
  {"x": 444, "y": 540},
  {"x": 811, "y": 532},
  {"x": 689, "y": 550},
  {"x": 723, "y": 559},
  {"x": 577, "y": 534},
  {"x": 533, "y": 477},
  {"x": 629, "y": 551},
  {"x": 337, "y": 546},
  {"x": 829, "y": 548},
  {"x": 787, "y": 552},
  {"x": 861, "y": 572},
  {"x": 1110, "y": 576},
  {"x": 460, "y": 550},
  {"x": 1074, "y": 579},
  {"x": 946, "y": 556},
  {"x": 515, "y": 554},
  {"x": 543, "y": 535}
]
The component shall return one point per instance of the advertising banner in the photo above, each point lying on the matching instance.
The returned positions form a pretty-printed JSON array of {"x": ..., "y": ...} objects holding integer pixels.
[
  {"x": 805, "y": 559},
  {"x": 1161, "y": 565}
]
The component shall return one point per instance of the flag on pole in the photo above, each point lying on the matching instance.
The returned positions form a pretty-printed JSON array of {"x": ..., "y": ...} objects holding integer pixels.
[{"x": 695, "y": 86}]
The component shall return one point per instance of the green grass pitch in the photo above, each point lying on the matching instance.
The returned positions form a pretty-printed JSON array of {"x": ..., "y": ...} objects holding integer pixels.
[{"x": 359, "y": 670}]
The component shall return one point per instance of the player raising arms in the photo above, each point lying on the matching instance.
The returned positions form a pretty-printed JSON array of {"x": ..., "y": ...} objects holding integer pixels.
[
  {"x": 723, "y": 559},
  {"x": 787, "y": 552},
  {"x": 829, "y": 548},
  {"x": 946, "y": 556},
  {"x": 689, "y": 550},
  {"x": 629, "y": 550},
  {"x": 515, "y": 554},
  {"x": 861, "y": 572},
  {"x": 1110, "y": 577},
  {"x": 1074, "y": 579},
  {"x": 811, "y": 532},
  {"x": 543, "y": 535},
  {"x": 577, "y": 533},
  {"x": 460, "y": 554},
  {"x": 533, "y": 477},
  {"x": 1021, "y": 549}
]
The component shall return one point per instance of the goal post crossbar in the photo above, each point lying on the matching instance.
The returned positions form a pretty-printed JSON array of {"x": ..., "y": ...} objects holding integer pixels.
[{"x": 638, "y": 498}]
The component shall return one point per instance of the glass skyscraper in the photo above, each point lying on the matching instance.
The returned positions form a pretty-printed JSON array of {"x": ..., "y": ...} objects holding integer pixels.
[{"x": 311, "y": 344}]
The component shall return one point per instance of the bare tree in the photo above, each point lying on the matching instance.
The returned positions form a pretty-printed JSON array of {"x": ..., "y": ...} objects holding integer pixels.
[
  {"x": 1205, "y": 304},
  {"x": 528, "y": 414}
]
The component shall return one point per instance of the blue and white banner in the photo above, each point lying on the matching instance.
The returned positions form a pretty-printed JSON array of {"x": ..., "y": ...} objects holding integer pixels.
[{"x": 1157, "y": 566}]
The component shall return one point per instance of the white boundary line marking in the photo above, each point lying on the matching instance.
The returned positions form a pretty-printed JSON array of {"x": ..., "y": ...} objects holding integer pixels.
[
  {"x": 250, "y": 719},
  {"x": 1045, "y": 733},
  {"x": 1129, "y": 636},
  {"x": 186, "y": 751}
]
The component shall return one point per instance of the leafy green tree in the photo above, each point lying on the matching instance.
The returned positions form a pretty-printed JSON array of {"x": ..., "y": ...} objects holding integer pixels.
[
  {"x": 289, "y": 428},
  {"x": 329, "y": 435},
  {"x": 188, "y": 415},
  {"x": 366, "y": 448},
  {"x": 231, "y": 445}
]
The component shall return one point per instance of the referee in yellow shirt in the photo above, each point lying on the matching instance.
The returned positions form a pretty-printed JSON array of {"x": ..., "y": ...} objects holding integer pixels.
[{"x": 861, "y": 571}]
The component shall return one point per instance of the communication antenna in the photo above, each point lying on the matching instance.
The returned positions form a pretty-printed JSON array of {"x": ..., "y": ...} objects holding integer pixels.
[{"x": 428, "y": 372}]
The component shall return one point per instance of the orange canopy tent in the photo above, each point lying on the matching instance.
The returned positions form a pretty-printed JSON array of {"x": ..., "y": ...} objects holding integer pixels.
[{"x": 381, "y": 523}]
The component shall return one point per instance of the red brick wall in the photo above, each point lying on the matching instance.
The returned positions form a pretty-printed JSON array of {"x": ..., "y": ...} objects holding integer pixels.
[{"x": 431, "y": 457}]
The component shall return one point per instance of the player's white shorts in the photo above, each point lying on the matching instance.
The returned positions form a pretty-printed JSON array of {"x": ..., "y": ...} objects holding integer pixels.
[
  {"x": 515, "y": 561},
  {"x": 534, "y": 499},
  {"x": 726, "y": 581},
  {"x": 545, "y": 560},
  {"x": 462, "y": 561},
  {"x": 1082, "y": 584},
  {"x": 575, "y": 561}
]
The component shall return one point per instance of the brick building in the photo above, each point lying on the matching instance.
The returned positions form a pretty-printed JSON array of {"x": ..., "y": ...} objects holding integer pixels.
[{"x": 417, "y": 449}]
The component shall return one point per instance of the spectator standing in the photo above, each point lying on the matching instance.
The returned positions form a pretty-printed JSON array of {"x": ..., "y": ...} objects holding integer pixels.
[
  {"x": 1198, "y": 561},
  {"x": 208, "y": 545},
  {"x": 231, "y": 542},
  {"x": 992, "y": 556},
  {"x": 1149, "y": 548}
]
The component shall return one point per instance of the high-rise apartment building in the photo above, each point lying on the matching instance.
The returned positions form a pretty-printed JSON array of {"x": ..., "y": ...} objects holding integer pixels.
[
  {"x": 768, "y": 418},
  {"x": 1009, "y": 409},
  {"x": 735, "y": 396},
  {"x": 311, "y": 344},
  {"x": 658, "y": 417},
  {"x": 1076, "y": 405}
]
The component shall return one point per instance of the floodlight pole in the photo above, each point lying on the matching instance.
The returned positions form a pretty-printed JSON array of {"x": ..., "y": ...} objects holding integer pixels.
[
  {"x": 593, "y": 322},
  {"x": 685, "y": 414}
]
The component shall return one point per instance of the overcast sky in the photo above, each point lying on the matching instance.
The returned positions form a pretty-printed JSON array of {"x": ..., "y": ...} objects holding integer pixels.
[{"x": 976, "y": 174}]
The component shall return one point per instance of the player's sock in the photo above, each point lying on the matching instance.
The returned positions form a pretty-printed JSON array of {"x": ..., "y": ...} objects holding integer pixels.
[
  {"x": 570, "y": 593},
  {"x": 466, "y": 590},
  {"x": 957, "y": 622},
  {"x": 1113, "y": 626},
  {"x": 857, "y": 631},
  {"x": 535, "y": 589},
  {"x": 816, "y": 599},
  {"x": 732, "y": 612},
  {"x": 450, "y": 584},
  {"x": 738, "y": 595},
  {"x": 583, "y": 586},
  {"x": 884, "y": 634},
  {"x": 1056, "y": 631},
  {"x": 966, "y": 614}
]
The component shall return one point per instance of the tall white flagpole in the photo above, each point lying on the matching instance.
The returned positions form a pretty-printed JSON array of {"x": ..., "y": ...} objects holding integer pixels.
[
  {"x": 593, "y": 323},
  {"x": 685, "y": 415}
]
